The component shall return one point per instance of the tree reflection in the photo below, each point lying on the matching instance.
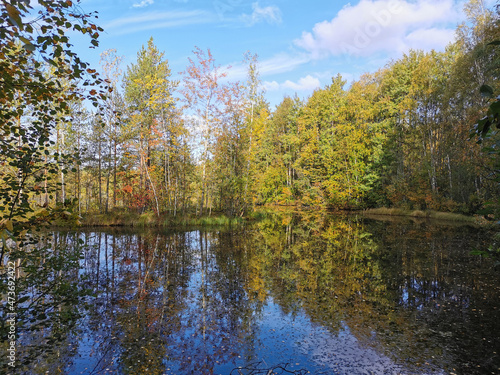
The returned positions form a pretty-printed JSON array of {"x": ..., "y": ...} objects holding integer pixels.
[
  {"x": 412, "y": 291},
  {"x": 195, "y": 302}
]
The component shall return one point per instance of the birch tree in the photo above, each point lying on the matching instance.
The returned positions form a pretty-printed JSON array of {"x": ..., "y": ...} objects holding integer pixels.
[{"x": 202, "y": 88}]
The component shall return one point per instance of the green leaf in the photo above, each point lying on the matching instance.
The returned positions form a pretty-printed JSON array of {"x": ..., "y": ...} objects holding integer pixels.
[
  {"x": 495, "y": 107},
  {"x": 483, "y": 125},
  {"x": 50, "y": 61},
  {"x": 25, "y": 40},
  {"x": 29, "y": 47},
  {"x": 486, "y": 91},
  {"x": 480, "y": 252},
  {"x": 23, "y": 299},
  {"x": 14, "y": 16},
  {"x": 41, "y": 316}
]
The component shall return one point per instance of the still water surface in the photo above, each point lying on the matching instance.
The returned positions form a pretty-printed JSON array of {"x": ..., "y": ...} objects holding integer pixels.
[{"x": 304, "y": 293}]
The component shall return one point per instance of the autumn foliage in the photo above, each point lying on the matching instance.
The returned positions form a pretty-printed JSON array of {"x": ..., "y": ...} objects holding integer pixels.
[{"x": 397, "y": 137}]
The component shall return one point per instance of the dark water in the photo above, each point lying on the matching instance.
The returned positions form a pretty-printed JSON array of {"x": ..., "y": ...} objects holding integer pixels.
[{"x": 298, "y": 293}]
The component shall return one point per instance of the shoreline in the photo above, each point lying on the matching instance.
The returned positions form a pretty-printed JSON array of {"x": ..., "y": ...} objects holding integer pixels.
[{"x": 150, "y": 219}]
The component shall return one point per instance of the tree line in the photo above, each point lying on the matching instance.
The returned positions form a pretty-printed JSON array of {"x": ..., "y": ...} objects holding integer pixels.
[{"x": 398, "y": 137}]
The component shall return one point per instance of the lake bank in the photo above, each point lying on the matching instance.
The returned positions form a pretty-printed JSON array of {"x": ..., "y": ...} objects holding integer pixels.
[
  {"x": 427, "y": 214},
  {"x": 150, "y": 219}
]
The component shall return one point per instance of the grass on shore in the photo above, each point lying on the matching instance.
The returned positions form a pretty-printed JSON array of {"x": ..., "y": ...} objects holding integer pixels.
[
  {"x": 428, "y": 214},
  {"x": 150, "y": 219}
]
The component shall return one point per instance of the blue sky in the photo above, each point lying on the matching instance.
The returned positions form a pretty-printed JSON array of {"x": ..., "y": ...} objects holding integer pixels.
[{"x": 300, "y": 44}]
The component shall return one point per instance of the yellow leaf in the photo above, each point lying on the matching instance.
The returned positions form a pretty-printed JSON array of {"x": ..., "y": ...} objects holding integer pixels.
[{"x": 7, "y": 224}]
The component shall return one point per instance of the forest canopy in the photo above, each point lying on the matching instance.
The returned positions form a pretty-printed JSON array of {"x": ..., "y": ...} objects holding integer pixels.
[{"x": 397, "y": 137}]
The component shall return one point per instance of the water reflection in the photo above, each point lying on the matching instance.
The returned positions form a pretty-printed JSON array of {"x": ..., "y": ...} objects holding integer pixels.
[{"x": 321, "y": 293}]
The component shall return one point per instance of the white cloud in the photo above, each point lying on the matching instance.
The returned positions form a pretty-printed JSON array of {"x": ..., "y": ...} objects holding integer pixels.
[
  {"x": 143, "y": 3},
  {"x": 271, "y": 86},
  {"x": 159, "y": 20},
  {"x": 390, "y": 26},
  {"x": 307, "y": 83},
  {"x": 270, "y": 14},
  {"x": 280, "y": 63},
  {"x": 428, "y": 39}
]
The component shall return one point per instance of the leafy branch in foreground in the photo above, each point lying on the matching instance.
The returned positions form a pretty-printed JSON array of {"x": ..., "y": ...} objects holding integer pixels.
[{"x": 41, "y": 78}]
